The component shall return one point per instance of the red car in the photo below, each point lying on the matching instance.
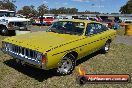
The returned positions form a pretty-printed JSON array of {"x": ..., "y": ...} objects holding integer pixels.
[
  {"x": 47, "y": 20},
  {"x": 109, "y": 22}
]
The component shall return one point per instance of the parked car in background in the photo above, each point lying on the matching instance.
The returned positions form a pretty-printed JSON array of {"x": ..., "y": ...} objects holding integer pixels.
[
  {"x": 10, "y": 23},
  {"x": 128, "y": 21},
  {"x": 61, "y": 45},
  {"x": 35, "y": 21},
  {"x": 47, "y": 20},
  {"x": 20, "y": 16},
  {"x": 111, "y": 23}
]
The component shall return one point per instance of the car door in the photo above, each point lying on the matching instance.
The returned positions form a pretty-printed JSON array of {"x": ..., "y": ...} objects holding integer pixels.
[
  {"x": 92, "y": 38},
  {"x": 104, "y": 33}
]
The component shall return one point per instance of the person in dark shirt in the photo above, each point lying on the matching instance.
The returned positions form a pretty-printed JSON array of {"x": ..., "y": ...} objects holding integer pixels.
[{"x": 41, "y": 19}]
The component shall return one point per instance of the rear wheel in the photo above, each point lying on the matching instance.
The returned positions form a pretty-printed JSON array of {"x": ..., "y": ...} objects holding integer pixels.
[
  {"x": 67, "y": 65},
  {"x": 106, "y": 47}
]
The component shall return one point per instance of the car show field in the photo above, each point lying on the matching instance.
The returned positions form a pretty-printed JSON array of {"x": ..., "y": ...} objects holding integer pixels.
[
  {"x": 117, "y": 61},
  {"x": 66, "y": 44}
]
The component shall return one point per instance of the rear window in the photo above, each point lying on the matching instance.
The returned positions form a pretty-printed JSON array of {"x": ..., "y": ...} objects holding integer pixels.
[
  {"x": 49, "y": 17},
  {"x": 128, "y": 22},
  {"x": 107, "y": 20}
]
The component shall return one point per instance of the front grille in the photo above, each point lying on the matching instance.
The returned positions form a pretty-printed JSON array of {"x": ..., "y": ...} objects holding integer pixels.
[{"x": 23, "y": 52}]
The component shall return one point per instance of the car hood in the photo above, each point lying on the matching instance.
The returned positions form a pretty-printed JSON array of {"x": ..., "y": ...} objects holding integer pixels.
[{"x": 41, "y": 41}]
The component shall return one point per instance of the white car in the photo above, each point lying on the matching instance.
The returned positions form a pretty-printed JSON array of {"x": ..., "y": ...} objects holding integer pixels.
[
  {"x": 128, "y": 21},
  {"x": 8, "y": 22}
]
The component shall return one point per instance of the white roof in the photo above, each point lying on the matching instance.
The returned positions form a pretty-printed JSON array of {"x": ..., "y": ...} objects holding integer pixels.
[
  {"x": 48, "y": 16},
  {"x": 6, "y": 11},
  {"x": 15, "y": 19}
]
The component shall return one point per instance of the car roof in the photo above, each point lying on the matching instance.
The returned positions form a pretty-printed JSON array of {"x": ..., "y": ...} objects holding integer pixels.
[
  {"x": 6, "y": 11},
  {"x": 78, "y": 20}
]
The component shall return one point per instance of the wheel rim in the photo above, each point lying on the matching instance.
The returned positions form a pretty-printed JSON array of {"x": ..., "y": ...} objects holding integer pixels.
[
  {"x": 3, "y": 31},
  {"x": 107, "y": 47},
  {"x": 65, "y": 66}
]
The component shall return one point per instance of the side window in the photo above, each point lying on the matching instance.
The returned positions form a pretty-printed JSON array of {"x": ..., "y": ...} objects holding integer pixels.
[
  {"x": 91, "y": 29},
  {"x": 94, "y": 28},
  {"x": 104, "y": 28},
  {"x": 98, "y": 27}
]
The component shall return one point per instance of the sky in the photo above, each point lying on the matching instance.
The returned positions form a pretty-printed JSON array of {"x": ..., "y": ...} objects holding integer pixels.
[{"x": 103, "y": 6}]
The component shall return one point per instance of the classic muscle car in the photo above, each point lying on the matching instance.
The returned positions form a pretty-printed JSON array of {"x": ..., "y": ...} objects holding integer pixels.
[{"x": 61, "y": 45}]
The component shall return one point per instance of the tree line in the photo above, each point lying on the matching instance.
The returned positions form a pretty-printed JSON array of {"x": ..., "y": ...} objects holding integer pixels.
[
  {"x": 43, "y": 9},
  {"x": 8, "y": 4}
]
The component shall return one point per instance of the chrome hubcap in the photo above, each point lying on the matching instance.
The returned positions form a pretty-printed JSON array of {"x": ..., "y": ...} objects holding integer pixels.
[
  {"x": 3, "y": 31},
  {"x": 106, "y": 47},
  {"x": 65, "y": 66}
]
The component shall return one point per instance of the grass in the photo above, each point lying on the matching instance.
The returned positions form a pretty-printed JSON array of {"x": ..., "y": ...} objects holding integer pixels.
[
  {"x": 117, "y": 61},
  {"x": 121, "y": 31}
]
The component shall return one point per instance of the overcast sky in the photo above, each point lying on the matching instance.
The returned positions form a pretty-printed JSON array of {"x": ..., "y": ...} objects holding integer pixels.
[{"x": 106, "y": 6}]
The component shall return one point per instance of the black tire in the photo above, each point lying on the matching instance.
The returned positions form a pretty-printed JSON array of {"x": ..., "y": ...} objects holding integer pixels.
[
  {"x": 66, "y": 65},
  {"x": 106, "y": 47},
  {"x": 4, "y": 31}
]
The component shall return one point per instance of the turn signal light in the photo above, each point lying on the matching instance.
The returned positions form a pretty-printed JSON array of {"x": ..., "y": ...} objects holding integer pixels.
[{"x": 43, "y": 59}]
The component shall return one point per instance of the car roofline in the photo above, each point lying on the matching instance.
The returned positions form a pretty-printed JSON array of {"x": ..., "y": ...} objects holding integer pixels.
[{"x": 77, "y": 20}]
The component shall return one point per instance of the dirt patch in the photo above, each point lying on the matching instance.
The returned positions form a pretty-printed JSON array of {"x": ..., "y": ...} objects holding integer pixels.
[{"x": 124, "y": 40}]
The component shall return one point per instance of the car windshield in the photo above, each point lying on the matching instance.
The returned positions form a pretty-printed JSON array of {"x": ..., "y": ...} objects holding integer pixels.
[
  {"x": 67, "y": 27},
  {"x": 107, "y": 20},
  {"x": 7, "y": 14}
]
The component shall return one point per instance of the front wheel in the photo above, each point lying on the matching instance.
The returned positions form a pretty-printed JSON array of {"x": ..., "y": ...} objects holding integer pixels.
[
  {"x": 67, "y": 65},
  {"x": 4, "y": 31}
]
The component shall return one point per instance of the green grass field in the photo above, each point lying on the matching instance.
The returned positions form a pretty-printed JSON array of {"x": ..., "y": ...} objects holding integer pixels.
[{"x": 117, "y": 61}]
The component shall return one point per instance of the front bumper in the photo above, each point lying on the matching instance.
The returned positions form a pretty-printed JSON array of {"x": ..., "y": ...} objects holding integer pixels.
[{"x": 29, "y": 61}]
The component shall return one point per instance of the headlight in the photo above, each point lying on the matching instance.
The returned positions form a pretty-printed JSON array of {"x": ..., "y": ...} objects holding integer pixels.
[
  {"x": 3, "y": 20},
  {"x": 39, "y": 56},
  {"x": 7, "y": 46}
]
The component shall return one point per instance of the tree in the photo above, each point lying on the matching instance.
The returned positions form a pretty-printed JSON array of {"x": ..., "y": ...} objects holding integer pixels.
[
  {"x": 53, "y": 11},
  {"x": 7, "y": 4},
  {"x": 42, "y": 9},
  {"x": 74, "y": 10},
  {"x": 28, "y": 10},
  {"x": 33, "y": 11},
  {"x": 127, "y": 8},
  {"x": 63, "y": 10}
]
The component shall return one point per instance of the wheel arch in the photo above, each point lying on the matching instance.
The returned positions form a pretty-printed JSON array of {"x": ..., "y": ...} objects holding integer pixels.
[
  {"x": 109, "y": 40},
  {"x": 74, "y": 53},
  {"x": 2, "y": 26}
]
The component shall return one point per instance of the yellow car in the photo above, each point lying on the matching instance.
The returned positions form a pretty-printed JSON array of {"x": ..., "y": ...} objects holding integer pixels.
[{"x": 61, "y": 45}]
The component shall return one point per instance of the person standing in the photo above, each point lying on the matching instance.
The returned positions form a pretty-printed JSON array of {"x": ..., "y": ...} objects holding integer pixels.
[
  {"x": 41, "y": 18},
  {"x": 98, "y": 19}
]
